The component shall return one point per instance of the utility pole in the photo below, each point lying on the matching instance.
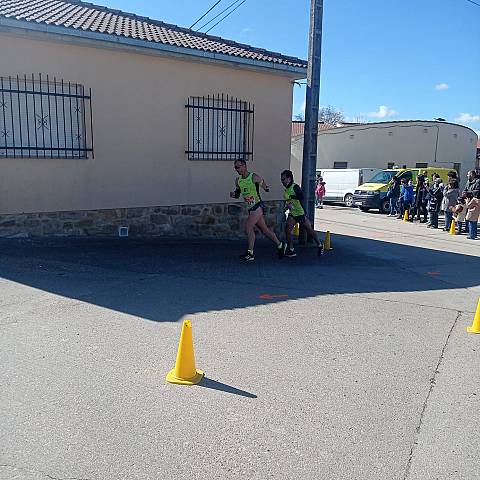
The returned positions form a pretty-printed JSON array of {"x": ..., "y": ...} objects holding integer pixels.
[{"x": 310, "y": 136}]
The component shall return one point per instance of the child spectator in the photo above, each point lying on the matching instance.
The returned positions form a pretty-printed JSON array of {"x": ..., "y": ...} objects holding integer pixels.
[
  {"x": 319, "y": 193},
  {"x": 459, "y": 213},
  {"x": 473, "y": 212}
]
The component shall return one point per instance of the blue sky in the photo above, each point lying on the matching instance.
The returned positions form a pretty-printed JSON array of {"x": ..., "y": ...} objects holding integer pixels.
[{"x": 381, "y": 59}]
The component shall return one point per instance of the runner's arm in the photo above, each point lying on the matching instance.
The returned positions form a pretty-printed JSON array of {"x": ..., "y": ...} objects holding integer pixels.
[
  {"x": 237, "y": 191},
  {"x": 260, "y": 181}
]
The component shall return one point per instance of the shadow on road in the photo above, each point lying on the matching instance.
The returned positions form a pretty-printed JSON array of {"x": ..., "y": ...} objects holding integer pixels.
[
  {"x": 163, "y": 280},
  {"x": 223, "y": 387}
]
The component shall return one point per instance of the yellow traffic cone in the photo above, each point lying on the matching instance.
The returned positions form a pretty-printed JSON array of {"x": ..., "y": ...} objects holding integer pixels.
[
  {"x": 185, "y": 372},
  {"x": 452, "y": 230},
  {"x": 475, "y": 328},
  {"x": 405, "y": 216},
  {"x": 327, "y": 244},
  {"x": 296, "y": 229}
]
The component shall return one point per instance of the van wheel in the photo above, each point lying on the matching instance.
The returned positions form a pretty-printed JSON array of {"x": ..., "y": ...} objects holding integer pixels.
[
  {"x": 384, "y": 206},
  {"x": 348, "y": 200},
  {"x": 364, "y": 209}
]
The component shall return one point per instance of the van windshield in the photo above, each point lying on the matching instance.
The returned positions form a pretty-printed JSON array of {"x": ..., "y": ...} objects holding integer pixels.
[{"x": 382, "y": 177}]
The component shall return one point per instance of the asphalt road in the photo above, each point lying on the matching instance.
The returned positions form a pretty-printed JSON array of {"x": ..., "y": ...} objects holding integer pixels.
[{"x": 355, "y": 365}]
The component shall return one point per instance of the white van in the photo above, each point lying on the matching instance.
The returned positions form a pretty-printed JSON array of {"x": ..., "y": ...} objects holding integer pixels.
[{"x": 341, "y": 183}]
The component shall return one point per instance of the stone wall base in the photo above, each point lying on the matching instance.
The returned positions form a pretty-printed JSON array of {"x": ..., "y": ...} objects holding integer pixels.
[{"x": 219, "y": 220}]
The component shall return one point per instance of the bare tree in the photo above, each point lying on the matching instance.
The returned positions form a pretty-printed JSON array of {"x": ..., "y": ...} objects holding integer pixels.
[{"x": 328, "y": 115}]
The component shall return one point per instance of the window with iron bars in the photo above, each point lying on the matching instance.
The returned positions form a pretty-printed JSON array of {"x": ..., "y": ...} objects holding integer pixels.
[
  {"x": 220, "y": 128},
  {"x": 44, "y": 118}
]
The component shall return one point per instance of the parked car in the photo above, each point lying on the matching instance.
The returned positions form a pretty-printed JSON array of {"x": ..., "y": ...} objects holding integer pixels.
[
  {"x": 373, "y": 194},
  {"x": 340, "y": 184}
]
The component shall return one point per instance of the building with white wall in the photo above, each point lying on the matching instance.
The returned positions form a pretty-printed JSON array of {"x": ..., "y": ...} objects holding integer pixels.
[{"x": 414, "y": 143}]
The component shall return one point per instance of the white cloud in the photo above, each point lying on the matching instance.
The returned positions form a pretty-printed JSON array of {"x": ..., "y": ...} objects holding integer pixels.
[
  {"x": 246, "y": 30},
  {"x": 382, "y": 112},
  {"x": 467, "y": 118},
  {"x": 441, "y": 86}
]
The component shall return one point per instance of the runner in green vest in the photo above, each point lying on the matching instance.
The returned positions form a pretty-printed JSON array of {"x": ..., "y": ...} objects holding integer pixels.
[
  {"x": 294, "y": 204},
  {"x": 248, "y": 186}
]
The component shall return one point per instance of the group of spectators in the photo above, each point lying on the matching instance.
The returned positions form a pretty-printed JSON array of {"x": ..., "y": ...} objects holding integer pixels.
[{"x": 429, "y": 199}]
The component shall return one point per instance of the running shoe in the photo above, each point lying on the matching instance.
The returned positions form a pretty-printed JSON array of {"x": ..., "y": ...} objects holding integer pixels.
[
  {"x": 290, "y": 253},
  {"x": 248, "y": 257}
]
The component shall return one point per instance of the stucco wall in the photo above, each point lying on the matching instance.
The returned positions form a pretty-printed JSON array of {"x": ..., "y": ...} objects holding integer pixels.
[
  {"x": 140, "y": 129},
  {"x": 404, "y": 143}
]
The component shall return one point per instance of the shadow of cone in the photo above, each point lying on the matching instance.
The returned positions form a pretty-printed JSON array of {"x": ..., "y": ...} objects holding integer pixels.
[
  {"x": 296, "y": 230},
  {"x": 452, "y": 230},
  {"x": 185, "y": 372},
  {"x": 405, "y": 216},
  {"x": 327, "y": 243},
  {"x": 475, "y": 328}
]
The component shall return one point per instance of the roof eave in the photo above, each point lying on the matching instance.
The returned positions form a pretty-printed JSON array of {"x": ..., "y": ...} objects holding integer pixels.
[{"x": 70, "y": 35}]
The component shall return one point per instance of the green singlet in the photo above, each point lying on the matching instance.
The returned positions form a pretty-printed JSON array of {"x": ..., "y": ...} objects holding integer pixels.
[
  {"x": 297, "y": 209},
  {"x": 249, "y": 190}
]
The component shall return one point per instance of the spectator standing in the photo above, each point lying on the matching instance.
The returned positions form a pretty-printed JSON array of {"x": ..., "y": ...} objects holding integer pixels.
[
  {"x": 406, "y": 197},
  {"x": 473, "y": 212},
  {"x": 393, "y": 195},
  {"x": 435, "y": 197},
  {"x": 473, "y": 184},
  {"x": 450, "y": 195},
  {"x": 319, "y": 193},
  {"x": 459, "y": 214},
  {"x": 420, "y": 193}
]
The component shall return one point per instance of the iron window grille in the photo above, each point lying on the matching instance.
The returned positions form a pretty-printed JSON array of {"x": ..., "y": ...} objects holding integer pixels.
[
  {"x": 220, "y": 128},
  {"x": 44, "y": 118}
]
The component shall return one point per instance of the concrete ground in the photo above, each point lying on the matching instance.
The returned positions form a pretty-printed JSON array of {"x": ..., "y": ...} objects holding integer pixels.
[{"x": 355, "y": 365}]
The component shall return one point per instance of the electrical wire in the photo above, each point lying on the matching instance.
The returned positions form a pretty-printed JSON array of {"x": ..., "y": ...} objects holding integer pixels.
[
  {"x": 228, "y": 14},
  {"x": 216, "y": 16},
  {"x": 206, "y": 13},
  {"x": 475, "y": 3}
]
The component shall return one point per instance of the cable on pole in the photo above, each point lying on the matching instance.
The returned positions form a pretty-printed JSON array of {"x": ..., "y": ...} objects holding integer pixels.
[
  {"x": 228, "y": 14},
  {"x": 216, "y": 16},
  {"x": 206, "y": 13}
]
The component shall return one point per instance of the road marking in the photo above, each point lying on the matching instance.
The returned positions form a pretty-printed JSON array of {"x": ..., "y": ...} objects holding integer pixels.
[{"x": 268, "y": 296}]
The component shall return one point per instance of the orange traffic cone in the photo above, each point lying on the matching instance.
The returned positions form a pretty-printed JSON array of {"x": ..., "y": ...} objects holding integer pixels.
[
  {"x": 475, "y": 328},
  {"x": 405, "y": 216},
  {"x": 185, "y": 372},
  {"x": 452, "y": 230},
  {"x": 327, "y": 244}
]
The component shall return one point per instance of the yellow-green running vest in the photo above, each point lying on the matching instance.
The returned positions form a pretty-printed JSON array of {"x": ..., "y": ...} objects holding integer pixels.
[{"x": 249, "y": 190}]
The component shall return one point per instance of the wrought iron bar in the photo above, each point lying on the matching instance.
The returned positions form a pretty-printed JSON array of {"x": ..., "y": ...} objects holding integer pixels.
[{"x": 31, "y": 118}]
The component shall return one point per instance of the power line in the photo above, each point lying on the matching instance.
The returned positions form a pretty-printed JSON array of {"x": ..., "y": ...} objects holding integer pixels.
[
  {"x": 206, "y": 13},
  {"x": 216, "y": 16},
  {"x": 223, "y": 18},
  {"x": 475, "y": 3}
]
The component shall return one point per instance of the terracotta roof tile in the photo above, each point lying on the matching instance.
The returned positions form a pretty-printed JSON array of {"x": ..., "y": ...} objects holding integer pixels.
[{"x": 84, "y": 16}]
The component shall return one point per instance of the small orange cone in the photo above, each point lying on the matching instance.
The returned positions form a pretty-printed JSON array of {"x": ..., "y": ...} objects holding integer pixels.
[
  {"x": 475, "y": 328},
  {"x": 296, "y": 229},
  {"x": 327, "y": 244},
  {"x": 452, "y": 230},
  {"x": 185, "y": 372},
  {"x": 405, "y": 216}
]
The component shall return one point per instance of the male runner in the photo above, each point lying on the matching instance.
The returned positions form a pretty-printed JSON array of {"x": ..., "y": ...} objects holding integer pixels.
[
  {"x": 248, "y": 185},
  {"x": 294, "y": 203}
]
